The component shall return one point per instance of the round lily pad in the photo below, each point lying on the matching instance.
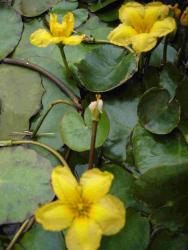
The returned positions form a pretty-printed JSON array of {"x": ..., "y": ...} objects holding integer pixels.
[
  {"x": 31, "y": 8},
  {"x": 106, "y": 67},
  {"x": 157, "y": 113},
  {"x": 24, "y": 183},
  {"x": 76, "y": 131},
  {"x": 20, "y": 97},
  {"x": 11, "y": 30}
]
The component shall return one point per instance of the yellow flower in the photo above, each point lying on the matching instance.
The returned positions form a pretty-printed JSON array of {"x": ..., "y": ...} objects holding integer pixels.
[
  {"x": 85, "y": 208},
  {"x": 184, "y": 18},
  {"x": 59, "y": 32},
  {"x": 142, "y": 25}
]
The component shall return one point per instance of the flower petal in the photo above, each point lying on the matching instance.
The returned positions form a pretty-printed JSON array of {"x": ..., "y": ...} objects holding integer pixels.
[
  {"x": 42, "y": 38},
  {"x": 54, "y": 216},
  {"x": 72, "y": 40},
  {"x": 95, "y": 184},
  {"x": 84, "y": 234},
  {"x": 62, "y": 29},
  {"x": 132, "y": 14},
  {"x": 122, "y": 35},
  {"x": 109, "y": 213},
  {"x": 163, "y": 27},
  {"x": 65, "y": 185},
  {"x": 154, "y": 11},
  {"x": 143, "y": 42}
]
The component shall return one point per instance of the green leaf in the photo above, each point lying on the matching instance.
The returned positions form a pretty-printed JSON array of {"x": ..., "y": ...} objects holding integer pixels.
[
  {"x": 65, "y": 5},
  {"x": 122, "y": 185},
  {"x": 20, "y": 95},
  {"x": 100, "y": 4},
  {"x": 106, "y": 68},
  {"x": 11, "y": 30},
  {"x": 157, "y": 113},
  {"x": 151, "y": 78},
  {"x": 181, "y": 95},
  {"x": 95, "y": 28},
  {"x": 135, "y": 234},
  {"x": 52, "y": 123},
  {"x": 39, "y": 239},
  {"x": 151, "y": 151},
  {"x": 31, "y": 8},
  {"x": 76, "y": 131},
  {"x": 81, "y": 15},
  {"x": 55, "y": 69},
  {"x": 109, "y": 15},
  {"x": 165, "y": 240},
  {"x": 121, "y": 107},
  {"x": 75, "y": 54},
  {"x": 157, "y": 55},
  {"x": 25, "y": 49},
  {"x": 24, "y": 176},
  {"x": 164, "y": 189},
  {"x": 170, "y": 78}
]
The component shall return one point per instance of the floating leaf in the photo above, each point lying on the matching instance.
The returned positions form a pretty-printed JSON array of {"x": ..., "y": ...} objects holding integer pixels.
[
  {"x": 11, "y": 29},
  {"x": 181, "y": 95},
  {"x": 38, "y": 238},
  {"x": 121, "y": 107},
  {"x": 135, "y": 234},
  {"x": 56, "y": 69},
  {"x": 24, "y": 176},
  {"x": 157, "y": 113},
  {"x": 20, "y": 94},
  {"x": 151, "y": 151},
  {"x": 164, "y": 189},
  {"x": 170, "y": 78},
  {"x": 151, "y": 78},
  {"x": 63, "y": 6},
  {"x": 76, "y": 131},
  {"x": 157, "y": 55},
  {"x": 122, "y": 185},
  {"x": 164, "y": 240},
  {"x": 52, "y": 123},
  {"x": 95, "y": 28},
  {"x": 31, "y": 8},
  {"x": 75, "y": 54},
  {"x": 100, "y": 4},
  {"x": 106, "y": 68}
]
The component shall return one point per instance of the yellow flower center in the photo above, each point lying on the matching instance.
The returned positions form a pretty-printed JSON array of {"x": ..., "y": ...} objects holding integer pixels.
[{"x": 82, "y": 208}]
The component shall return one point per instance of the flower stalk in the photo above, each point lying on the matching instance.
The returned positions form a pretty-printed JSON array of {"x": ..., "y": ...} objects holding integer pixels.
[
  {"x": 69, "y": 73},
  {"x": 18, "y": 233},
  {"x": 96, "y": 109},
  {"x": 7, "y": 143},
  {"x": 47, "y": 112},
  {"x": 92, "y": 145}
]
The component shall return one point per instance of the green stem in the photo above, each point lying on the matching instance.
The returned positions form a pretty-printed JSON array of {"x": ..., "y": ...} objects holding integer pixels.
[
  {"x": 51, "y": 150},
  {"x": 47, "y": 112},
  {"x": 92, "y": 145},
  {"x": 18, "y": 234},
  {"x": 93, "y": 41},
  {"x": 165, "y": 50},
  {"x": 69, "y": 73}
]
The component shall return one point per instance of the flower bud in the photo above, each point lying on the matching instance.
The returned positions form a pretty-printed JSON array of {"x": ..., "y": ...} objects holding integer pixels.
[
  {"x": 176, "y": 10},
  {"x": 184, "y": 18},
  {"x": 96, "y": 108}
]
